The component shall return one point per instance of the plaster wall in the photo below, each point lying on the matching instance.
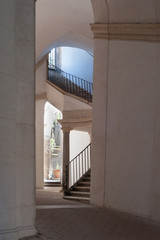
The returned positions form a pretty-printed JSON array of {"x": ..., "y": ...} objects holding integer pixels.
[
  {"x": 40, "y": 143},
  {"x": 71, "y": 103},
  {"x": 133, "y": 11},
  {"x": 41, "y": 73},
  {"x": 129, "y": 129},
  {"x": 41, "y": 98},
  {"x": 55, "y": 97},
  {"x": 62, "y": 24},
  {"x": 78, "y": 141},
  {"x": 124, "y": 11},
  {"x": 132, "y": 128},
  {"x": 126, "y": 177},
  {"x": 78, "y": 63},
  {"x": 17, "y": 196}
]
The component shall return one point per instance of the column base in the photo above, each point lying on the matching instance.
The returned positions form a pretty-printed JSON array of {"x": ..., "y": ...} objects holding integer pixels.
[{"x": 17, "y": 233}]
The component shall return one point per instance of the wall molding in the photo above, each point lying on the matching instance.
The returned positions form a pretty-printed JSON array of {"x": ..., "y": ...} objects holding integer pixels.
[{"x": 138, "y": 32}]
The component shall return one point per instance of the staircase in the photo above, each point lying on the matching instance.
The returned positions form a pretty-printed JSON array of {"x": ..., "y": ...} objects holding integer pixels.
[
  {"x": 70, "y": 83},
  {"x": 78, "y": 172},
  {"x": 81, "y": 190}
]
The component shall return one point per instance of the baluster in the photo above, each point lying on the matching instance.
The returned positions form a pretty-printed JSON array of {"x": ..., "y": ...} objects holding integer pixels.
[
  {"x": 87, "y": 87},
  {"x": 88, "y": 157},
  {"x": 73, "y": 172},
  {"x": 76, "y": 171},
  {"x": 73, "y": 83},
  {"x": 78, "y": 85},
  {"x": 67, "y": 178},
  {"x": 82, "y": 91},
  {"x": 82, "y": 164},
  {"x": 70, "y": 84},
  {"x": 67, "y": 84},
  {"x": 79, "y": 166},
  {"x": 84, "y": 85},
  {"x": 68, "y": 166},
  {"x": 85, "y": 159}
]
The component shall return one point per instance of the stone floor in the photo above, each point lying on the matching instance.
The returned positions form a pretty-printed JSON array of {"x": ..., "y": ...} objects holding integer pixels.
[{"x": 59, "y": 219}]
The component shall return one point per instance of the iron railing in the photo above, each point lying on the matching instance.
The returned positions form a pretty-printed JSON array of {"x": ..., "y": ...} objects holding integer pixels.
[
  {"x": 77, "y": 167},
  {"x": 70, "y": 83}
]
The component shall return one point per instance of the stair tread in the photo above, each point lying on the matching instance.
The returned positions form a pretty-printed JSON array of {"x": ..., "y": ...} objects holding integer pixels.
[
  {"x": 78, "y": 192},
  {"x": 84, "y": 183},
  {"x": 77, "y": 198}
]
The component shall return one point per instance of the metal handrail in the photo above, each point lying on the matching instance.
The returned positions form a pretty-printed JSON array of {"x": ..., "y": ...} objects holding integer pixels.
[
  {"x": 70, "y": 83},
  {"x": 77, "y": 167}
]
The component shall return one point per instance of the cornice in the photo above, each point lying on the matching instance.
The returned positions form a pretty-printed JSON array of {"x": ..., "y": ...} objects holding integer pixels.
[
  {"x": 138, "y": 32},
  {"x": 70, "y": 124}
]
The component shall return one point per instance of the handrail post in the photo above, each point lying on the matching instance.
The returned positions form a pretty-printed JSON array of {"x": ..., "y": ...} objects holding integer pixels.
[
  {"x": 66, "y": 132},
  {"x": 66, "y": 183}
]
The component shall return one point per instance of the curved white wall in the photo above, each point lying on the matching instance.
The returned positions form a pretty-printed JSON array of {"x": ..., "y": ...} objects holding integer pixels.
[
  {"x": 77, "y": 62},
  {"x": 78, "y": 141},
  {"x": 64, "y": 22}
]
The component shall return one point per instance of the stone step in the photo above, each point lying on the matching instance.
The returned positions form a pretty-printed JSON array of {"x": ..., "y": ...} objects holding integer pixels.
[
  {"x": 52, "y": 184},
  {"x": 87, "y": 184},
  {"x": 86, "y": 179},
  {"x": 81, "y": 199},
  {"x": 80, "y": 194},
  {"x": 81, "y": 189}
]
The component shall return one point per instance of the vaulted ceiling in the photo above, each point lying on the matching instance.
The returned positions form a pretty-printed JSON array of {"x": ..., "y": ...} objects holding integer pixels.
[
  {"x": 63, "y": 23},
  {"x": 67, "y": 22}
]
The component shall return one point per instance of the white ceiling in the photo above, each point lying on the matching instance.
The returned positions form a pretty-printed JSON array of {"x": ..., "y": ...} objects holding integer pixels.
[{"x": 63, "y": 23}]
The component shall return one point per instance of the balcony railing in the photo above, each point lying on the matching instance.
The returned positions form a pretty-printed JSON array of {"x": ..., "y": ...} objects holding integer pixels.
[
  {"x": 70, "y": 83},
  {"x": 77, "y": 167}
]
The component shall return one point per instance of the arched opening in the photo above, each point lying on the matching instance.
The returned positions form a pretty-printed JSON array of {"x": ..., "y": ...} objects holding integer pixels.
[
  {"x": 52, "y": 145},
  {"x": 76, "y": 111},
  {"x": 125, "y": 155}
]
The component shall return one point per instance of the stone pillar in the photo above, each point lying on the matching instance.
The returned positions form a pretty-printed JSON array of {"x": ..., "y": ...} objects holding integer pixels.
[
  {"x": 47, "y": 156},
  {"x": 99, "y": 121},
  {"x": 17, "y": 121},
  {"x": 66, "y": 155},
  {"x": 40, "y": 143},
  {"x": 41, "y": 98}
]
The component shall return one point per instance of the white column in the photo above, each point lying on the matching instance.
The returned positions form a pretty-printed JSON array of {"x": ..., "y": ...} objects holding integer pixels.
[
  {"x": 17, "y": 154},
  {"x": 40, "y": 143},
  {"x": 66, "y": 153},
  {"x": 99, "y": 121}
]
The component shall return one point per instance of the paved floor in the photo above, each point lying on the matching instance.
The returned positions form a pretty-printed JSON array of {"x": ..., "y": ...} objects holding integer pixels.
[
  {"x": 52, "y": 196},
  {"x": 66, "y": 220}
]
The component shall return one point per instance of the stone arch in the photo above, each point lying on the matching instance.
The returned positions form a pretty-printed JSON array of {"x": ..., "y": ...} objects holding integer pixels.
[
  {"x": 124, "y": 11},
  {"x": 100, "y": 10}
]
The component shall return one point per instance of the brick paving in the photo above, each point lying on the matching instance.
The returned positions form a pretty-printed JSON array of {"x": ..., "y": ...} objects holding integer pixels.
[{"x": 92, "y": 224}]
